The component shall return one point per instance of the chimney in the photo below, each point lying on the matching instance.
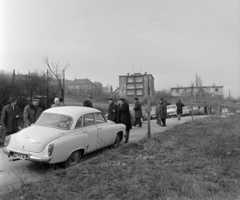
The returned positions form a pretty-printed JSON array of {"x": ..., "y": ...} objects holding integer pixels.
[
  {"x": 145, "y": 73},
  {"x": 128, "y": 74}
]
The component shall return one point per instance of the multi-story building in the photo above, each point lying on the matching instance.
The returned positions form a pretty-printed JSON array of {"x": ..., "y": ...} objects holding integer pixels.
[
  {"x": 136, "y": 85},
  {"x": 197, "y": 91}
]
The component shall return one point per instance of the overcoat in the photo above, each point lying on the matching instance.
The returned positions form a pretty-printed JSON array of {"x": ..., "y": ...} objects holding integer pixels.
[
  {"x": 162, "y": 110},
  {"x": 88, "y": 103},
  {"x": 9, "y": 118},
  {"x": 31, "y": 114},
  {"x": 180, "y": 106},
  {"x": 125, "y": 116},
  {"x": 138, "y": 110},
  {"x": 112, "y": 112}
]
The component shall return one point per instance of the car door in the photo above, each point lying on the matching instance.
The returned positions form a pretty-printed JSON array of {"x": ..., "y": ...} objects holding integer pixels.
[
  {"x": 105, "y": 135},
  {"x": 89, "y": 128}
]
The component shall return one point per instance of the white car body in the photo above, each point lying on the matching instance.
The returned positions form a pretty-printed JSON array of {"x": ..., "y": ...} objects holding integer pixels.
[
  {"x": 171, "y": 110},
  {"x": 82, "y": 129}
]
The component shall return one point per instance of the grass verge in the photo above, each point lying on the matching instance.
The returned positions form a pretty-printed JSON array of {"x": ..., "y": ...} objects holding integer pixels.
[{"x": 198, "y": 160}]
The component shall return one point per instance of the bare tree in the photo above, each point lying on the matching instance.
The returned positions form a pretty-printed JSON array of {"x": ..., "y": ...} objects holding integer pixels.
[{"x": 55, "y": 69}]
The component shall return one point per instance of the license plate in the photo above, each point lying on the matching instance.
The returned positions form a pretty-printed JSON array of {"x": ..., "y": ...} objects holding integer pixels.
[{"x": 20, "y": 156}]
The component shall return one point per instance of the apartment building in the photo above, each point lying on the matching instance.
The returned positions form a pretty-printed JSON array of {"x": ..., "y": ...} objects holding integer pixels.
[{"x": 136, "y": 85}]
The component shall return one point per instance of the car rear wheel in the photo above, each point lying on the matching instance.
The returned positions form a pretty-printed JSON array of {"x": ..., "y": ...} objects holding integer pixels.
[
  {"x": 117, "y": 141},
  {"x": 73, "y": 159}
]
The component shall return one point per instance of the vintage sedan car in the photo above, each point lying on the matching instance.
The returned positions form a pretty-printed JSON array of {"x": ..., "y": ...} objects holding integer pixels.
[
  {"x": 64, "y": 135},
  {"x": 171, "y": 111}
]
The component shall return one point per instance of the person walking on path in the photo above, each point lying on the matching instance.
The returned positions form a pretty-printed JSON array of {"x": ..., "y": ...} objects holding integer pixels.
[
  {"x": 138, "y": 113},
  {"x": 112, "y": 110},
  {"x": 57, "y": 103},
  {"x": 10, "y": 117},
  {"x": 88, "y": 102},
  {"x": 31, "y": 112},
  {"x": 125, "y": 117},
  {"x": 180, "y": 106},
  {"x": 162, "y": 112}
]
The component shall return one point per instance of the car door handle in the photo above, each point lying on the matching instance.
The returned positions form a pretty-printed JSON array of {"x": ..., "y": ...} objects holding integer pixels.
[
  {"x": 84, "y": 131},
  {"x": 99, "y": 128}
]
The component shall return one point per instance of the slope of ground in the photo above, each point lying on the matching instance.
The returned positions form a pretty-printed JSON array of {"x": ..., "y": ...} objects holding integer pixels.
[{"x": 198, "y": 160}]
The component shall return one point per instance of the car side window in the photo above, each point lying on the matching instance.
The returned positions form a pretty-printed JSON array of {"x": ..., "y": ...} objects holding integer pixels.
[
  {"x": 99, "y": 118},
  {"x": 79, "y": 123},
  {"x": 88, "y": 120}
]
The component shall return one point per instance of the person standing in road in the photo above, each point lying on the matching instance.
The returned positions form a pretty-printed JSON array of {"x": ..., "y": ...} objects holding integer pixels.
[
  {"x": 162, "y": 112},
  {"x": 57, "y": 103},
  {"x": 125, "y": 117},
  {"x": 10, "y": 117},
  {"x": 31, "y": 112},
  {"x": 180, "y": 106},
  {"x": 88, "y": 102},
  {"x": 138, "y": 113},
  {"x": 112, "y": 110}
]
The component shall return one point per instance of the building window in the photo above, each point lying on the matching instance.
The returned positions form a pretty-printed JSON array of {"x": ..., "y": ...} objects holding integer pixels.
[
  {"x": 139, "y": 92},
  {"x": 130, "y": 92},
  {"x": 129, "y": 80},
  {"x": 216, "y": 90},
  {"x": 130, "y": 86},
  {"x": 139, "y": 85},
  {"x": 139, "y": 79}
]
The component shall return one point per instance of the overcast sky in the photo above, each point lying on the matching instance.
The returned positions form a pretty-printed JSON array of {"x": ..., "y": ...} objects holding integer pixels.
[{"x": 102, "y": 39}]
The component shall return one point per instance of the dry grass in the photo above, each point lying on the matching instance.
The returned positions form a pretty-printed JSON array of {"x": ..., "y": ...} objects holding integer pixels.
[{"x": 197, "y": 160}]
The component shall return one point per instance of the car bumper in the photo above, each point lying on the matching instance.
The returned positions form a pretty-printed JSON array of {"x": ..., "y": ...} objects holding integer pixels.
[{"x": 30, "y": 157}]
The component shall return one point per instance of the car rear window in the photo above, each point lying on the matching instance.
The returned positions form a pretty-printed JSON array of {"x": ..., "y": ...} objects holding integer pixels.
[{"x": 55, "y": 120}]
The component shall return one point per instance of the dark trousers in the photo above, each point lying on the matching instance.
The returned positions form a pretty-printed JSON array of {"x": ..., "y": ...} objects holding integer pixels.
[
  {"x": 163, "y": 121},
  {"x": 127, "y": 136},
  {"x": 138, "y": 121}
]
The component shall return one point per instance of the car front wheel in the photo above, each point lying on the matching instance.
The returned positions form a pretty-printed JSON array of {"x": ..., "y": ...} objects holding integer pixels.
[
  {"x": 117, "y": 141},
  {"x": 73, "y": 159}
]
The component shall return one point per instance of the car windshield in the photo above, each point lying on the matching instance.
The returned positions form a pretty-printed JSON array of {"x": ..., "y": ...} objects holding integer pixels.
[
  {"x": 171, "y": 107},
  {"x": 55, "y": 120}
]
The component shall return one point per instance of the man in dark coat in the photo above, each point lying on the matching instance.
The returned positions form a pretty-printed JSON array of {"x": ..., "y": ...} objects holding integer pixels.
[
  {"x": 138, "y": 112},
  {"x": 10, "y": 116},
  {"x": 180, "y": 106},
  {"x": 125, "y": 117},
  {"x": 88, "y": 102},
  {"x": 31, "y": 112},
  {"x": 112, "y": 110},
  {"x": 162, "y": 111}
]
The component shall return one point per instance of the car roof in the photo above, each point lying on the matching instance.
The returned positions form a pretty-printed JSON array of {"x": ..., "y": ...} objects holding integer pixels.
[{"x": 73, "y": 111}]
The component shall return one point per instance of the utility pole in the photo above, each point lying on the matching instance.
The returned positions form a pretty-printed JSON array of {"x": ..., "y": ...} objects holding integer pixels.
[
  {"x": 192, "y": 102},
  {"x": 229, "y": 97},
  {"x": 148, "y": 108},
  {"x": 47, "y": 90},
  {"x": 63, "y": 93}
]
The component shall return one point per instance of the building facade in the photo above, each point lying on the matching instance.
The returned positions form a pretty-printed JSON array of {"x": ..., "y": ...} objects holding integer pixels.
[
  {"x": 82, "y": 86},
  {"x": 136, "y": 85},
  {"x": 198, "y": 91}
]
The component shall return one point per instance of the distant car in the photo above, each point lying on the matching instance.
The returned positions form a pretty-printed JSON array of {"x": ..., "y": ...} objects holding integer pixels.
[
  {"x": 238, "y": 111},
  {"x": 186, "y": 110},
  {"x": 153, "y": 113},
  {"x": 171, "y": 111},
  {"x": 64, "y": 135},
  {"x": 225, "y": 110},
  {"x": 195, "y": 110}
]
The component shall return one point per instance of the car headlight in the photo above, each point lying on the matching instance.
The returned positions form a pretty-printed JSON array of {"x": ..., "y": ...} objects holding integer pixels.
[
  {"x": 50, "y": 149},
  {"x": 7, "y": 140}
]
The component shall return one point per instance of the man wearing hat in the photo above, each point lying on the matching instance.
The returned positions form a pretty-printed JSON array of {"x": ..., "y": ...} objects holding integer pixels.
[
  {"x": 10, "y": 116},
  {"x": 88, "y": 102},
  {"x": 112, "y": 110},
  {"x": 138, "y": 112},
  {"x": 125, "y": 117},
  {"x": 31, "y": 112},
  {"x": 162, "y": 112}
]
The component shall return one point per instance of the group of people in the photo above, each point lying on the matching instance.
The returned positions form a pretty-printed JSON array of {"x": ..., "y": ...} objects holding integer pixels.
[
  {"x": 11, "y": 114},
  {"x": 118, "y": 112}
]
